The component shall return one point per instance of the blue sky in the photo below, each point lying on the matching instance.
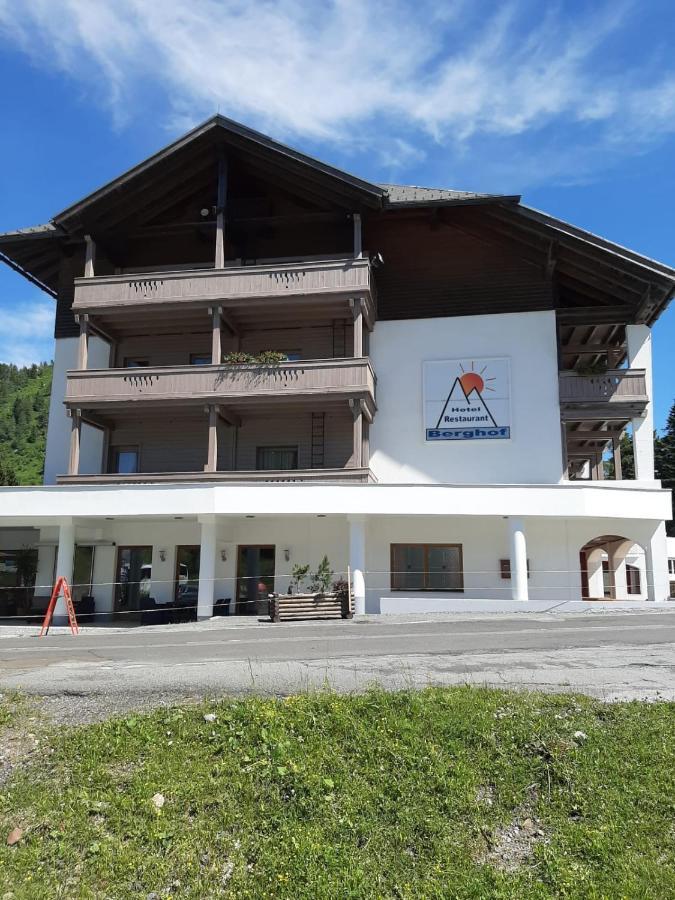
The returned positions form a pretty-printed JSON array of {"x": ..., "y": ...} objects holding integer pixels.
[{"x": 573, "y": 107}]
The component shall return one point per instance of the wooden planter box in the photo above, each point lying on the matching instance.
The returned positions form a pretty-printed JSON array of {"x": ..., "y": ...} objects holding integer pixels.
[{"x": 288, "y": 607}]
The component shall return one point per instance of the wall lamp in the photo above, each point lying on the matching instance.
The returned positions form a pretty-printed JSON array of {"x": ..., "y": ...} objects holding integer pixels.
[
  {"x": 223, "y": 554},
  {"x": 162, "y": 555},
  {"x": 287, "y": 554}
]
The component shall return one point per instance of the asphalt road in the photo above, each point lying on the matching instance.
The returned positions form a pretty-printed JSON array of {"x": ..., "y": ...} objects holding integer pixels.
[{"x": 614, "y": 656}]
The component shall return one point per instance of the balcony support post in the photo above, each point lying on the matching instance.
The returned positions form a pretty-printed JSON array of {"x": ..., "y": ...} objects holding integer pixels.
[
  {"x": 212, "y": 460},
  {"x": 358, "y": 241},
  {"x": 616, "y": 453},
  {"x": 639, "y": 342},
  {"x": 75, "y": 430},
  {"x": 356, "y": 304},
  {"x": 357, "y": 412},
  {"x": 83, "y": 346},
  {"x": 89, "y": 256},
  {"x": 220, "y": 211},
  {"x": 216, "y": 351}
]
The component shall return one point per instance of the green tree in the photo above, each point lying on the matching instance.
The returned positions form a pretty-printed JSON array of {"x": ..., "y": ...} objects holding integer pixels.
[
  {"x": 7, "y": 475},
  {"x": 664, "y": 461},
  {"x": 24, "y": 410}
]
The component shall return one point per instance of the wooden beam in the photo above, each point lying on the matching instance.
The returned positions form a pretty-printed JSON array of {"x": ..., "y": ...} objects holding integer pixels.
[
  {"x": 586, "y": 349},
  {"x": 74, "y": 455},
  {"x": 356, "y": 304},
  {"x": 616, "y": 452},
  {"x": 212, "y": 457},
  {"x": 357, "y": 412},
  {"x": 83, "y": 344},
  {"x": 358, "y": 244},
  {"x": 229, "y": 417},
  {"x": 594, "y": 314},
  {"x": 220, "y": 210},
  {"x": 216, "y": 351},
  {"x": 229, "y": 323},
  {"x": 95, "y": 421},
  {"x": 89, "y": 256}
]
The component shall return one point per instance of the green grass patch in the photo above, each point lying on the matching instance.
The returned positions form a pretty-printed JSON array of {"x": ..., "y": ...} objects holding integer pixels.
[
  {"x": 411, "y": 795},
  {"x": 12, "y": 707}
]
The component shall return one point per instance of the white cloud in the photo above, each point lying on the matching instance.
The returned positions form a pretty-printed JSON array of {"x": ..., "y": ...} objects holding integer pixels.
[
  {"x": 27, "y": 331},
  {"x": 391, "y": 75}
]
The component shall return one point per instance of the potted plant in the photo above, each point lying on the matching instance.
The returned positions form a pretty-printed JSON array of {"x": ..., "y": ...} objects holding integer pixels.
[{"x": 312, "y": 594}]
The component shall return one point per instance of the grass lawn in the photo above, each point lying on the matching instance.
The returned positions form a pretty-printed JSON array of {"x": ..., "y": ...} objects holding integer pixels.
[{"x": 458, "y": 792}]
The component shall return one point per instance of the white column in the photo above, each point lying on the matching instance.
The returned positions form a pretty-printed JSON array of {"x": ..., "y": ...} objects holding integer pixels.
[
  {"x": 518, "y": 557},
  {"x": 639, "y": 343},
  {"x": 207, "y": 567},
  {"x": 595, "y": 575},
  {"x": 357, "y": 562},
  {"x": 656, "y": 558},
  {"x": 616, "y": 564},
  {"x": 64, "y": 566}
]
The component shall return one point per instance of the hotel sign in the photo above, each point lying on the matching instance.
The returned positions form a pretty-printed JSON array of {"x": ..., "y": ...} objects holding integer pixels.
[{"x": 467, "y": 399}]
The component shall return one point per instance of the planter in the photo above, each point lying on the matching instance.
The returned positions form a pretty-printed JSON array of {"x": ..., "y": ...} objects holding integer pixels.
[{"x": 288, "y": 607}]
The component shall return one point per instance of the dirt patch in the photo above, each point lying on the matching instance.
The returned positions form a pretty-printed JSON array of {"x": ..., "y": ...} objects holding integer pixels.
[
  {"x": 18, "y": 746},
  {"x": 513, "y": 846}
]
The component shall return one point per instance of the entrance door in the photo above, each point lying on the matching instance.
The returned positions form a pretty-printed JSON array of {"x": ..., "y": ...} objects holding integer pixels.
[
  {"x": 187, "y": 579},
  {"x": 255, "y": 579},
  {"x": 132, "y": 581}
]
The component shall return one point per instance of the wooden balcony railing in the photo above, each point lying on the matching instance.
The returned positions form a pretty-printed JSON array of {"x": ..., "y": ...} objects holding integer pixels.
[
  {"x": 348, "y": 277},
  {"x": 231, "y": 385},
  {"x": 332, "y": 476},
  {"x": 618, "y": 388}
]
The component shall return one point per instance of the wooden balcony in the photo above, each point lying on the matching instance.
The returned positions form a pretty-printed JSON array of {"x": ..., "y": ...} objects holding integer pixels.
[
  {"x": 232, "y": 386},
  {"x": 615, "y": 394},
  {"x": 233, "y": 287},
  {"x": 327, "y": 476}
]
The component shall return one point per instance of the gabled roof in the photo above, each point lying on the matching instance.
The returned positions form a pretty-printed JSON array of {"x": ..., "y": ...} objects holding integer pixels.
[
  {"x": 219, "y": 130},
  {"x": 587, "y": 267}
]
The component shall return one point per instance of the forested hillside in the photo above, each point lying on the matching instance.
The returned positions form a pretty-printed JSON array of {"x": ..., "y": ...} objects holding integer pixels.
[{"x": 24, "y": 409}]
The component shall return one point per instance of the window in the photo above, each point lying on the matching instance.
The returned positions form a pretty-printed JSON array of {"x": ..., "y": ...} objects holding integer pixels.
[
  {"x": 633, "y": 579},
  {"x": 505, "y": 569},
  {"x": 83, "y": 571},
  {"x": 135, "y": 362},
  {"x": 277, "y": 458},
  {"x": 426, "y": 567},
  {"x": 671, "y": 566},
  {"x": 125, "y": 460},
  {"x": 200, "y": 359}
]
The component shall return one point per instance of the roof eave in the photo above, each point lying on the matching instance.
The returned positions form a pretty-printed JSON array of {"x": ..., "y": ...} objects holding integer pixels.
[{"x": 506, "y": 199}]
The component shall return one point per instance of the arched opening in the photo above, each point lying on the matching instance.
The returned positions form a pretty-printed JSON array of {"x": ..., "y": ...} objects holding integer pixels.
[{"x": 612, "y": 568}]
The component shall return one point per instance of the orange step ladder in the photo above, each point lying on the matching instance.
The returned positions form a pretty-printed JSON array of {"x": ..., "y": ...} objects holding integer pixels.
[{"x": 61, "y": 586}]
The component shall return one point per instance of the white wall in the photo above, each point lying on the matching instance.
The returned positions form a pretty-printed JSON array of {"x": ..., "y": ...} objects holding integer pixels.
[
  {"x": 399, "y": 452},
  {"x": 58, "y": 431}
]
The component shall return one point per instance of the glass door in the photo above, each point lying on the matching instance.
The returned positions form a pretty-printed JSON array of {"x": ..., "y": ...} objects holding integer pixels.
[
  {"x": 255, "y": 579},
  {"x": 187, "y": 579},
  {"x": 132, "y": 581}
]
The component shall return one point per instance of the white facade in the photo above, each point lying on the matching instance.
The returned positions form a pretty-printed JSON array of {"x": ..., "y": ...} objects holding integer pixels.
[
  {"x": 500, "y": 500},
  {"x": 58, "y": 431},
  {"x": 532, "y": 455}
]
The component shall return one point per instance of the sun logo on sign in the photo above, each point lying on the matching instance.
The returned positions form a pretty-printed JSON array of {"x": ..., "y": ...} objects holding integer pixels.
[
  {"x": 474, "y": 381},
  {"x": 470, "y": 382}
]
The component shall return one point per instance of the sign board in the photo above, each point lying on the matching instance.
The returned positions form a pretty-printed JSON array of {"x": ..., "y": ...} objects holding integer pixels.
[{"x": 467, "y": 399}]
